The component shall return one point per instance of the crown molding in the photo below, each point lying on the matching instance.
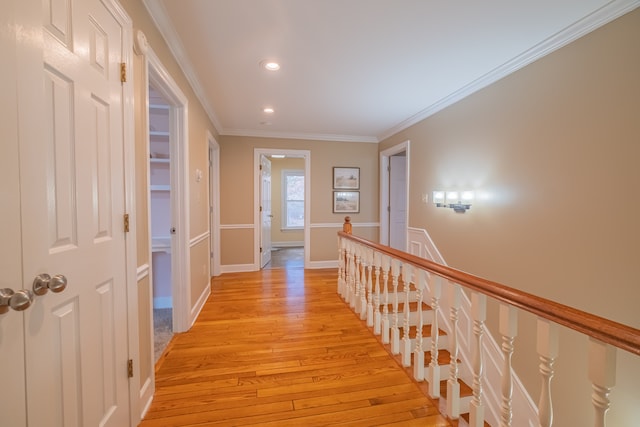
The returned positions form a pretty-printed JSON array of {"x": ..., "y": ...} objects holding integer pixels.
[
  {"x": 607, "y": 13},
  {"x": 162, "y": 22},
  {"x": 293, "y": 135}
]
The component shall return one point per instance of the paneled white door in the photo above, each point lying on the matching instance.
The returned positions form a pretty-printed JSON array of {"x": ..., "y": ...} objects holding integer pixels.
[
  {"x": 398, "y": 202},
  {"x": 266, "y": 215},
  {"x": 69, "y": 193},
  {"x": 12, "y": 390}
]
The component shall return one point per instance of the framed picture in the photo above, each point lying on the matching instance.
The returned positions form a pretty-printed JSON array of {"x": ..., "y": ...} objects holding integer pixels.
[
  {"x": 346, "y": 201},
  {"x": 346, "y": 178}
]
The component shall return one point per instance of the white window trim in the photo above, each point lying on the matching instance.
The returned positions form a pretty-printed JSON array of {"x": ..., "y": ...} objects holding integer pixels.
[{"x": 283, "y": 196}]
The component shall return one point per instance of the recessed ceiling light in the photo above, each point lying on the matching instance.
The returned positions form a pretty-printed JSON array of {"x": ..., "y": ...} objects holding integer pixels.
[
  {"x": 268, "y": 110},
  {"x": 270, "y": 65}
]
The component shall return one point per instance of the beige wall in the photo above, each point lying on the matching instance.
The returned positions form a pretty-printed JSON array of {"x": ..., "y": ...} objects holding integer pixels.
[
  {"x": 277, "y": 234},
  {"x": 552, "y": 152},
  {"x": 198, "y": 125},
  {"x": 237, "y": 182}
]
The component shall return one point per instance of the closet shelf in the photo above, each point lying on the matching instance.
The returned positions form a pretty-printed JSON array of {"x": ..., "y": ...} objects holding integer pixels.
[{"x": 159, "y": 160}]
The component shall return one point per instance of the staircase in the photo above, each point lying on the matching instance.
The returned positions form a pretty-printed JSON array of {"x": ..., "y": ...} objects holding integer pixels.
[
  {"x": 437, "y": 331},
  {"x": 390, "y": 307}
]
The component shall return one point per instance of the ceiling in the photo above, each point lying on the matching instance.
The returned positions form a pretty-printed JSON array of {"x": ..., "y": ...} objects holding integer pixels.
[{"x": 358, "y": 70}]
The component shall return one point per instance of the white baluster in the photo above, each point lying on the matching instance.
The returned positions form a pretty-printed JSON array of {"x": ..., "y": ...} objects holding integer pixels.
[
  {"x": 406, "y": 340},
  {"x": 479, "y": 315},
  {"x": 508, "y": 330},
  {"x": 349, "y": 273},
  {"x": 355, "y": 302},
  {"x": 418, "y": 357},
  {"x": 377, "y": 316},
  {"x": 453, "y": 386},
  {"x": 547, "y": 346},
  {"x": 434, "y": 368},
  {"x": 602, "y": 374},
  {"x": 369, "y": 313},
  {"x": 395, "y": 332},
  {"x": 365, "y": 278},
  {"x": 386, "y": 264}
]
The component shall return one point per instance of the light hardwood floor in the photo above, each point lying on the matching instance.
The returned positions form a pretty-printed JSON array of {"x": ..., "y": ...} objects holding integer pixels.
[{"x": 280, "y": 348}]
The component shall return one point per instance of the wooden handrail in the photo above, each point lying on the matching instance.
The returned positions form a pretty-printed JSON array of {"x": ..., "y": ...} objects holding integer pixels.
[{"x": 610, "y": 332}]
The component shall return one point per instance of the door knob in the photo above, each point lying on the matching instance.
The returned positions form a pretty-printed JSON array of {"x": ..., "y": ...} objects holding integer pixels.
[
  {"x": 19, "y": 300},
  {"x": 43, "y": 282}
]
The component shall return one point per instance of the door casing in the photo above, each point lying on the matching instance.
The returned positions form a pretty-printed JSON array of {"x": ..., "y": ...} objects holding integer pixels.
[
  {"x": 384, "y": 187},
  {"x": 257, "y": 228}
]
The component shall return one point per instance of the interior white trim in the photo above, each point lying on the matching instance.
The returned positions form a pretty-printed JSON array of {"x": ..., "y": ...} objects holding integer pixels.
[
  {"x": 294, "y": 135},
  {"x": 384, "y": 187},
  {"x": 159, "y": 77},
  {"x": 524, "y": 408},
  {"x": 257, "y": 227},
  {"x": 237, "y": 268},
  {"x": 214, "y": 203},
  {"x": 323, "y": 264},
  {"x": 197, "y": 307},
  {"x": 142, "y": 271},
  {"x": 609, "y": 12},
  {"x": 201, "y": 238},
  {"x": 163, "y": 23},
  {"x": 339, "y": 224},
  {"x": 287, "y": 244},
  {"x": 129, "y": 154},
  {"x": 236, "y": 226}
]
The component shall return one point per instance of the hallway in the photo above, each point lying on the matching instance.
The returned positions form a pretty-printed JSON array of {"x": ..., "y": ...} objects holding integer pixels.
[{"x": 280, "y": 348}]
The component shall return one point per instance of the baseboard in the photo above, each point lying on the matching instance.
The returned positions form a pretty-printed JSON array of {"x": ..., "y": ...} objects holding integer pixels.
[
  {"x": 202, "y": 299},
  {"x": 237, "y": 268},
  {"x": 291, "y": 244},
  {"x": 146, "y": 396},
  {"x": 322, "y": 264}
]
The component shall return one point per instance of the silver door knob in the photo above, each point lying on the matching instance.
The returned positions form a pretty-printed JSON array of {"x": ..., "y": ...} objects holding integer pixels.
[
  {"x": 19, "y": 300},
  {"x": 43, "y": 283}
]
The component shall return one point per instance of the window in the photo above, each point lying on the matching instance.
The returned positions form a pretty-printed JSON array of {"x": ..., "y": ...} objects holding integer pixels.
[{"x": 292, "y": 199}]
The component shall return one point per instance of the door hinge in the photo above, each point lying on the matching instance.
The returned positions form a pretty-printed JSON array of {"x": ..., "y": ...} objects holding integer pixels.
[
  {"x": 123, "y": 72},
  {"x": 126, "y": 223},
  {"x": 130, "y": 368},
  {"x": 388, "y": 208},
  {"x": 260, "y": 208},
  {"x": 260, "y": 167},
  {"x": 260, "y": 249}
]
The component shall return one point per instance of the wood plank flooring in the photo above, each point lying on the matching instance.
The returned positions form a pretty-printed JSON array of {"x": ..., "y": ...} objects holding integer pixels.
[{"x": 280, "y": 348}]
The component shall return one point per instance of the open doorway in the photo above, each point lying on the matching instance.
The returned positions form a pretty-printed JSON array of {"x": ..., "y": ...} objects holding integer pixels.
[
  {"x": 281, "y": 193},
  {"x": 160, "y": 219},
  {"x": 394, "y": 190}
]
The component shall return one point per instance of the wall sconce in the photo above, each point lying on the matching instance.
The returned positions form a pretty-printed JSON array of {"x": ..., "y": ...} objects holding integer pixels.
[{"x": 459, "y": 201}]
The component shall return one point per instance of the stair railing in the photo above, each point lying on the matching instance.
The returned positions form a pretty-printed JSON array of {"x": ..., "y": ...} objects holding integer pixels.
[{"x": 605, "y": 336}]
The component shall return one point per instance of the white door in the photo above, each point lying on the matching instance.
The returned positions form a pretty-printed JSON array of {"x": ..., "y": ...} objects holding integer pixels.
[
  {"x": 266, "y": 215},
  {"x": 71, "y": 190},
  {"x": 398, "y": 202},
  {"x": 12, "y": 391}
]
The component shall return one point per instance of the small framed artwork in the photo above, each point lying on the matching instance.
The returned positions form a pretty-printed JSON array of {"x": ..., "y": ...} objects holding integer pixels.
[
  {"x": 346, "y": 178},
  {"x": 346, "y": 201}
]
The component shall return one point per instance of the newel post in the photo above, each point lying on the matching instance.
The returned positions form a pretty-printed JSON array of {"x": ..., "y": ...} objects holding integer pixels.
[{"x": 347, "y": 227}]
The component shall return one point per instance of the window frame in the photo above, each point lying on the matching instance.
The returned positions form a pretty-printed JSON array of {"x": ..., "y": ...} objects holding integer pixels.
[{"x": 284, "y": 201}]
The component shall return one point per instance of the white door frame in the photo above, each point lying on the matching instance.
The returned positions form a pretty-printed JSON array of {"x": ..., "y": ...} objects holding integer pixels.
[
  {"x": 257, "y": 223},
  {"x": 214, "y": 203},
  {"x": 159, "y": 77},
  {"x": 384, "y": 187},
  {"x": 129, "y": 152}
]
